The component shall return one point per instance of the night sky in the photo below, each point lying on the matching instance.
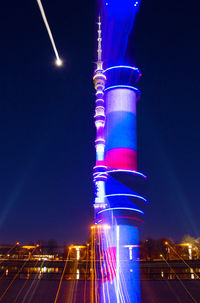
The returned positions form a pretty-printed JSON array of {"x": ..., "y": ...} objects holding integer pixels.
[{"x": 46, "y": 119}]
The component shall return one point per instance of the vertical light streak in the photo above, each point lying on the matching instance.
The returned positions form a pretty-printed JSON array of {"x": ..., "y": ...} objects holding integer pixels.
[
  {"x": 111, "y": 261},
  {"x": 77, "y": 274},
  {"x": 58, "y": 60},
  {"x": 190, "y": 252},
  {"x": 71, "y": 295},
  {"x": 106, "y": 262},
  {"x": 92, "y": 269},
  {"x": 101, "y": 257},
  {"x": 113, "y": 270},
  {"x": 125, "y": 295},
  {"x": 77, "y": 254},
  {"x": 86, "y": 270},
  {"x": 95, "y": 272},
  {"x": 117, "y": 263},
  {"x": 131, "y": 253},
  {"x": 192, "y": 273},
  {"x": 119, "y": 288}
]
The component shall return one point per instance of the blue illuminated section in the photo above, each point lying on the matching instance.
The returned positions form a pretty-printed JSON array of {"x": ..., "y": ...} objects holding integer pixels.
[
  {"x": 118, "y": 17},
  {"x": 123, "y": 86},
  {"x": 121, "y": 10},
  {"x": 122, "y": 127},
  {"x": 122, "y": 75},
  {"x": 125, "y": 192}
]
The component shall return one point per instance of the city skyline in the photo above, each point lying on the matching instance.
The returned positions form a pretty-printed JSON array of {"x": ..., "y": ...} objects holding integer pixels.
[{"x": 47, "y": 121}]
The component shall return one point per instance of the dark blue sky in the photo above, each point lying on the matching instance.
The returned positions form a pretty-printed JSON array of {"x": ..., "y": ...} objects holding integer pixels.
[{"x": 46, "y": 119}]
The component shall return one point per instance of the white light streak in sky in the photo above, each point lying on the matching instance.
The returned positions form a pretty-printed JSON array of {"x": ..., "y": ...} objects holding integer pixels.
[{"x": 58, "y": 60}]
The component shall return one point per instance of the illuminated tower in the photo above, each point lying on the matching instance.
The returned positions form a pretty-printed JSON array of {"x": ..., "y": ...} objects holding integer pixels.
[
  {"x": 119, "y": 203},
  {"x": 99, "y": 82}
]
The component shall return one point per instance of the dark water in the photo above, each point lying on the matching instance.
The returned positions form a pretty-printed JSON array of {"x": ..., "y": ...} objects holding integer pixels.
[{"x": 44, "y": 291}]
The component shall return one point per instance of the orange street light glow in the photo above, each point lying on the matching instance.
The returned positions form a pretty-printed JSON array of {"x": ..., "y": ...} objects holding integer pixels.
[
  {"x": 185, "y": 244},
  {"x": 98, "y": 226}
]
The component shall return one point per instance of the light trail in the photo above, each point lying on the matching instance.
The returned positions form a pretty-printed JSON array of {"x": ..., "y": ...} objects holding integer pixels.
[
  {"x": 127, "y": 195},
  {"x": 61, "y": 279},
  {"x": 58, "y": 60},
  {"x": 101, "y": 267},
  {"x": 132, "y": 172},
  {"x": 92, "y": 267},
  {"x": 18, "y": 272},
  {"x": 33, "y": 286},
  {"x": 95, "y": 269},
  {"x": 166, "y": 243},
  {"x": 121, "y": 66},
  {"x": 7, "y": 254},
  {"x": 107, "y": 269},
  {"x": 121, "y": 208},
  {"x": 86, "y": 270},
  {"x": 181, "y": 282},
  {"x": 21, "y": 289},
  {"x": 117, "y": 263}
]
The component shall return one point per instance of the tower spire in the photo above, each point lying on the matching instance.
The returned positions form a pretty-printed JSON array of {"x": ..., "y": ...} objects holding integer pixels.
[{"x": 99, "y": 49}]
